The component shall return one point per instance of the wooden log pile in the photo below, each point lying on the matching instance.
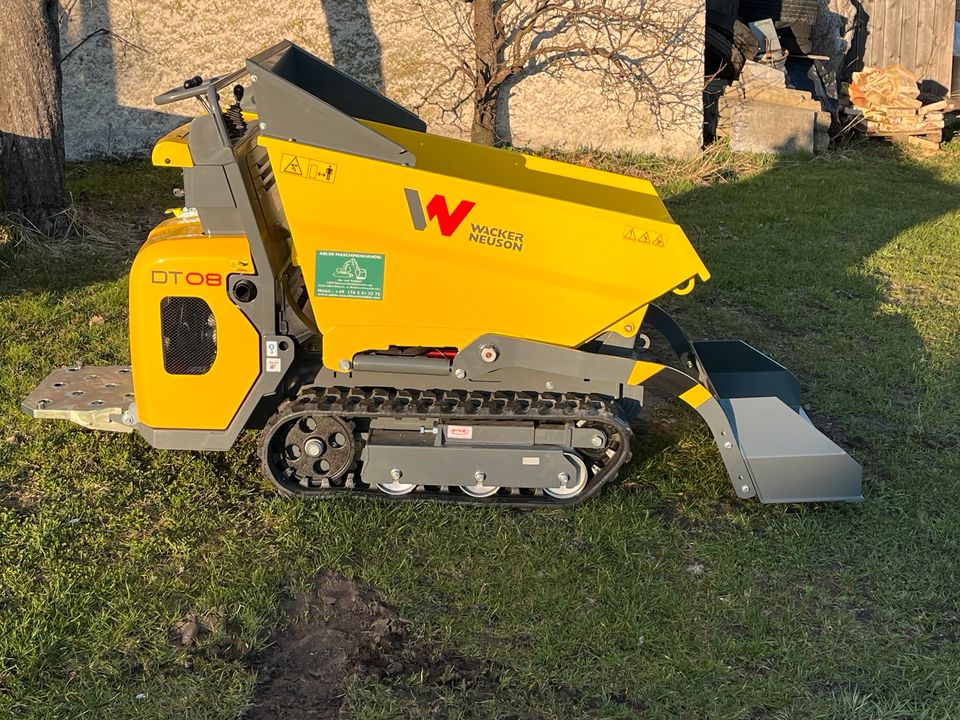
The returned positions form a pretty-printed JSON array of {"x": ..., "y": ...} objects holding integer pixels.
[{"x": 885, "y": 102}]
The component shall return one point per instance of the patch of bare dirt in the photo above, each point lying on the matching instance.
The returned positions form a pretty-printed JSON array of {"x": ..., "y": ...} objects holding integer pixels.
[
  {"x": 328, "y": 633},
  {"x": 834, "y": 429},
  {"x": 208, "y": 633},
  {"x": 334, "y": 631}
]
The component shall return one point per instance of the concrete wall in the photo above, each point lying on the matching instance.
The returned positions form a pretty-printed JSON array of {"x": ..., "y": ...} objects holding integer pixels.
[{"x": 139, "y": 48}]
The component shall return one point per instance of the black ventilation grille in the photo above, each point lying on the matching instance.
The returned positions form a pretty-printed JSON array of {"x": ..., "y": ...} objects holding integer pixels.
[{"x": 189, "y": 332}]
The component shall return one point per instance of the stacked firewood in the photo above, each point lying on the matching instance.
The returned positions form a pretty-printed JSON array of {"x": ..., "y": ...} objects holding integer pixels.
[{"x": 885, "y": 102}]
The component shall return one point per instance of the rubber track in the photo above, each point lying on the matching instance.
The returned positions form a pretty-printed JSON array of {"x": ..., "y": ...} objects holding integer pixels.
[{"x": 458, "y": 406}]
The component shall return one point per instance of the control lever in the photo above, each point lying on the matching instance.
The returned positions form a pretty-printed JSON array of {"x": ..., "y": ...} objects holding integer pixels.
[{"x": 233, "y": 117}]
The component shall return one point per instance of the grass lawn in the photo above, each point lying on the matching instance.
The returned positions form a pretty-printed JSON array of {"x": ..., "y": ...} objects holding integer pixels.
[{"x": 665, "y": 597}]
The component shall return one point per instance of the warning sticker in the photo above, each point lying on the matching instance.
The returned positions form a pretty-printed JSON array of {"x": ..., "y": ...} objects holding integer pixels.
[
  {"x": 307, "y": 168},
  {"x": 349, "y": 275},
  {"x": 461, "y": 432},
  {"x": 656, "y": 239},
  {"x": 291, "y": 164}
]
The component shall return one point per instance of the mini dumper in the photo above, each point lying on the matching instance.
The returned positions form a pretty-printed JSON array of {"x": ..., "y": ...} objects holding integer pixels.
[{"x": 407, "y": 316}]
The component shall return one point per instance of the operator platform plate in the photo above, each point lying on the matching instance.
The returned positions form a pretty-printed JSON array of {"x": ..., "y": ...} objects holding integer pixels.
[{"x": 94, "y": 397}]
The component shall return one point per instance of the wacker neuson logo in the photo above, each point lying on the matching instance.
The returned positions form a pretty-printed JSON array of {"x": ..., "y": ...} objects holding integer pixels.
[{"x": 450, "y": 220}]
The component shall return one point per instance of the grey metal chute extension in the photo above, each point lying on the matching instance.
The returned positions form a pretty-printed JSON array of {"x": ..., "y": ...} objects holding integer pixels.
[
  {"x": 788, "y": 459},
  {"x": 770, "y": 448}
]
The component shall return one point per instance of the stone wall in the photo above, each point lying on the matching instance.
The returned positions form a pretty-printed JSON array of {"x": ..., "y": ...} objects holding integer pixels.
[
  {"x": 123, "y": 52},
  {"x": 833, "y": 34}
]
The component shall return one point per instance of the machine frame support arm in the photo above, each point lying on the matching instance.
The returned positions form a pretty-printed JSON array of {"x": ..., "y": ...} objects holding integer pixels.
[
  {"x": 632, "y": 376},
  {"x": 750, "y": 403}
]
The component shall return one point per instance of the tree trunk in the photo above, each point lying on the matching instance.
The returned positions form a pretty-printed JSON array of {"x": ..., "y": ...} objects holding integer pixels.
[
  {"x": 31, "y": 118},
  {"x": 485, "y": 95}
]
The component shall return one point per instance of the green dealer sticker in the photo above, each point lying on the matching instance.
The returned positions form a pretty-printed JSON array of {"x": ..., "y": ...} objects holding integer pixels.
[{"x": 349, "y": 275}]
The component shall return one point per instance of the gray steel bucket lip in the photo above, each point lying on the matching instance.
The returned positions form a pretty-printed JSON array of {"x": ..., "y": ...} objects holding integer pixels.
[
  {"x": 736, "y": 356},
  {"x": 301, "y": 98},
  {"x": 770, "y": 448},
  {"x": 319, "y": 80},
  {"x": 736, "y": 369},
  {"x": 788, "y": 458}
]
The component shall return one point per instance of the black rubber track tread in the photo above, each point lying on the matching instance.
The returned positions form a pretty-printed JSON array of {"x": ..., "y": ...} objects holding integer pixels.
[{"x": 455, "y": 405}]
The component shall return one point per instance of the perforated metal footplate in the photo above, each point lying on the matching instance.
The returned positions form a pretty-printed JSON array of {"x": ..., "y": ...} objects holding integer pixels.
[{"x": 94, "y": 397}]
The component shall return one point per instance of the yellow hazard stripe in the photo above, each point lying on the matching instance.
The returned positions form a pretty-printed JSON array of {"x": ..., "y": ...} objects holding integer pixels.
[
  {"x": 643, "y": 371},
  {"x": 670, "y": 381},
  {"x": 696, "y": 396}
]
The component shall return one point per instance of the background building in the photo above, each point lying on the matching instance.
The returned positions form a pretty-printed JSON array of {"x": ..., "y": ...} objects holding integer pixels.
[{"x": 120, "y": 53}]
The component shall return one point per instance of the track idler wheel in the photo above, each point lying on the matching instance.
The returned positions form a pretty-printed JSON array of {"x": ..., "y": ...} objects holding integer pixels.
[{"x": 479, "y": 490}]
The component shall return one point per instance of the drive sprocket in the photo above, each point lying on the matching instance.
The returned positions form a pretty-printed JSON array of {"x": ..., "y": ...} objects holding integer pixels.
[{"x": 304, "y": 449}]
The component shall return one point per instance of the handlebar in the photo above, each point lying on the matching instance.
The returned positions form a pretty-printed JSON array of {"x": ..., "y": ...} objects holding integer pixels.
[
  {"x": 195, "y": 87},
  {"x": 192, "y": 88}
]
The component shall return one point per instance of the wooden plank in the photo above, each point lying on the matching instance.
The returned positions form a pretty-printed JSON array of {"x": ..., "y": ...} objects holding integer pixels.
[
  {"x": 866, "y": 36},
  {"x": 892, "y": 28},
  {"x": 909, "y": 30},
  {"x": 923, "y": 143},
  {"x": 873, "y": 31},
  {"x": 927, "y": 52},
  {"x": 944, "y": 41}
]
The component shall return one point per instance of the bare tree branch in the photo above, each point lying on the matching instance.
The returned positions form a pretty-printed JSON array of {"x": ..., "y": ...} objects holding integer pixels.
[
  {"x": 96, "y": 33},
  {"x": 644, "y": 53}
]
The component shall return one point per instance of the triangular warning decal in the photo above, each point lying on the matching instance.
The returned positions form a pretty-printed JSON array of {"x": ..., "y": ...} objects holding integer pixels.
[
  {"x": 629, "y": 234},
  {"x": 293, "y": 167}
]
